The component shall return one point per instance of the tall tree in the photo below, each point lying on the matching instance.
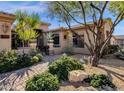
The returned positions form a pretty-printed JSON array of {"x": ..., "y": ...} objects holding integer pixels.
[
  {"x": 71, "y": 11},
  {"x": 26, "y": 25}
]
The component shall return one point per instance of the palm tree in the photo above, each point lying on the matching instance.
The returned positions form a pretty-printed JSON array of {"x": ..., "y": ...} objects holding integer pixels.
[{"x": 26, "y": 25}]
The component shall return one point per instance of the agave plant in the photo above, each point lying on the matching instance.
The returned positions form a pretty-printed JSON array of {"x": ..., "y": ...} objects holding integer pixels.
[{"x": 50, "y": 37}]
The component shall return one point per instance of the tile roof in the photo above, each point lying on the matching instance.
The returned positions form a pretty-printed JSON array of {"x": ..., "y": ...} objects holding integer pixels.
[
  {"x": 119, "y": 36},
  {"x": 1, "y": 12},
  {"x": 45, "y": 23},
  {"x": 77, "y": 26}
]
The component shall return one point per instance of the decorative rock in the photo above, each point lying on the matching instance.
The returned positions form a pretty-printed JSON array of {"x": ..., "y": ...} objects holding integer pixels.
[
  {"x": 64, "y": 54},
  {"x": 82, "y": 61},
  {"x": 77, "y": 75}
]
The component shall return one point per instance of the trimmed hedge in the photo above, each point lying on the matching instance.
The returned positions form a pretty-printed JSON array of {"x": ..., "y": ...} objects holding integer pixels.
[
  {"x": 63, "y": 65},
  {"x": 43, "y": 82}
]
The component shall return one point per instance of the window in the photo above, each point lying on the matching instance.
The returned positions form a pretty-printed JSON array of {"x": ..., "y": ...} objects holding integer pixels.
[
  {"x": 78, "y": 41},
  {"x": 56, "y": 40}
]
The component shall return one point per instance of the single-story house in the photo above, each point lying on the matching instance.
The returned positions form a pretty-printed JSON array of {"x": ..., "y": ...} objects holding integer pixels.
[
  {"x": 64, "y": 39},
  {"x": 117, "y": 40},
  {"x": 6, "y": 21}
]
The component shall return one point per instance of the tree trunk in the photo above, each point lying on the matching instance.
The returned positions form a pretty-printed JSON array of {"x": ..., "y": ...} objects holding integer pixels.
[
  {"x": 94, "y": 60},
  {"x": 23, "y": 45}
]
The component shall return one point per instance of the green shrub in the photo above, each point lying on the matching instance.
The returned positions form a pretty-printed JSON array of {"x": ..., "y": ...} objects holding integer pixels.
[
  {"x": 113, "y": 48},
  {"x": 23, "y": 60},
  {"x": 43, "y": 82},
  {"x": 39, "y": 56},
  {"x": 98, "y": 81},
  {"x": 7, "y": 61},
  {"x": 6, "y": 54},
  {"x": 110, "y": 49},
  {"x": 63, "y": 65},
  {"x": 10, "y": 60},
  {"x": 35, "y": 59}
]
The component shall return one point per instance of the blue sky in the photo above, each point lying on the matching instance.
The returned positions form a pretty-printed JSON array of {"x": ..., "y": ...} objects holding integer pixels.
[{"x": 41, "y": 8}]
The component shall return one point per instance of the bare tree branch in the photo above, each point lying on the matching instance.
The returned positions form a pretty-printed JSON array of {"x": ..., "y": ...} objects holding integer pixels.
[
  {"x": 99, "y": 24},
  {"x": 85, "y": 23},
  {"x": 68, "y": 12},
  {"x": 117, "y": 21},
  {"x": 69, "y": 26},
  {"x": 101, "y": 14},
  {"x": 95, "y": 7}
]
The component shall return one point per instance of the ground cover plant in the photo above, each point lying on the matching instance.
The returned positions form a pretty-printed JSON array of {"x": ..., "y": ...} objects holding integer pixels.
[
  {"x": 40, "y": 57},
  {"x": 35, "y": 59},
  {"x": 44, "y": 82},
  {"x": 99, "y": 81}
]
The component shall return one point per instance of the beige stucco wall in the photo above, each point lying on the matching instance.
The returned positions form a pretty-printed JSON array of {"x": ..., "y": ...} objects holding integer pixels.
[
  {"x": 76, "y": 49},
  {"x": 64, "y": 43},
  {"x": 68, "y": 42},
  {"x": 120, "y": 42},
  {"x": 113, "y": 41},
  {"x": 5, "y": 43}
]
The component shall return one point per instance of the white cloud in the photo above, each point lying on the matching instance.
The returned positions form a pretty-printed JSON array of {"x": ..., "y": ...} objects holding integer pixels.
[{"x": 26, "y": 6}]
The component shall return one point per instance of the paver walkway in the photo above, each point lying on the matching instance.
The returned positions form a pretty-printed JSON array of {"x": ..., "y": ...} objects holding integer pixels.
[{"x": 15, "y": 80}]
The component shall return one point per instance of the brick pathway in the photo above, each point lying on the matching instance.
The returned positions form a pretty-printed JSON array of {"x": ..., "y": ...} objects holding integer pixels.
[{"x": 15, "y": 80}]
